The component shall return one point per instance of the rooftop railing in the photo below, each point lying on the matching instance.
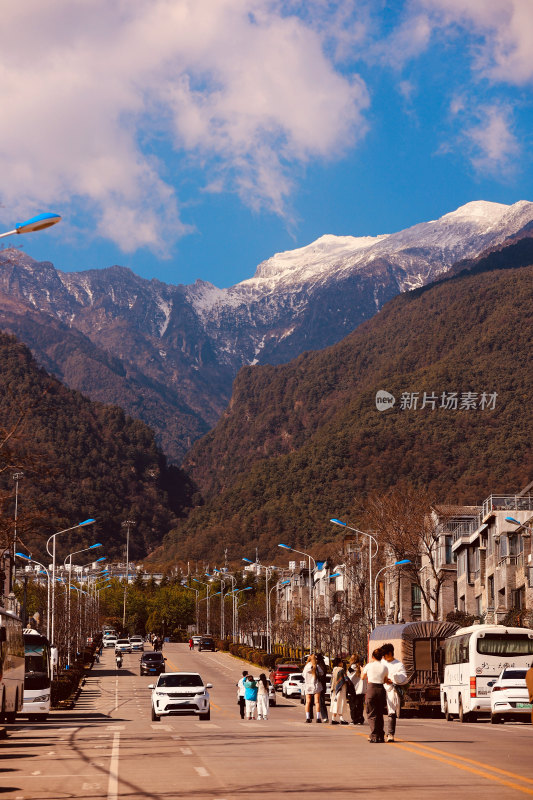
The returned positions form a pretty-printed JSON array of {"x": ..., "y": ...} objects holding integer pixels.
[{"x": 507, "y": 502}]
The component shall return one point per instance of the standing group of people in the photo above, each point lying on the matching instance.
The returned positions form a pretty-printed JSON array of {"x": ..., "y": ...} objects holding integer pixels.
[
  {"x": 352, "y": 684},
  {"x": 252, "y": 696}
]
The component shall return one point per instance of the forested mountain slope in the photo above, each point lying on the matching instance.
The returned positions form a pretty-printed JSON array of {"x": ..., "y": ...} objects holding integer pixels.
[{"x": 304, "y": 441}]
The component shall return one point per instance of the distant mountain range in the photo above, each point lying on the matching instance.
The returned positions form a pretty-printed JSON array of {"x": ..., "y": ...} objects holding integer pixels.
[
  {"x": 305, "y": 441},
  {"x": 169, "y": 354}
]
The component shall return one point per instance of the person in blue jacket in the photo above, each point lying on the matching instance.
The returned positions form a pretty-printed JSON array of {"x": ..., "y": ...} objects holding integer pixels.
[{"x": 250, "y": 696}]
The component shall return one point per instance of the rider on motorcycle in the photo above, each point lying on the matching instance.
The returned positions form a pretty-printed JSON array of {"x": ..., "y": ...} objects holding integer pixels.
[{"x": 118, "y": 659}]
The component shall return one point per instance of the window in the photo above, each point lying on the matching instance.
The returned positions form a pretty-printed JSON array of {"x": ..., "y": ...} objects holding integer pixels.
[
  {"x": 456, "y": 649},
  {"x": 516, "y": 544},
  {"x": 504, "y": 547},
  {"x": 461, "y": 563},
  {"x": 479, "y": 605},
  {"x": 416, "y": 599},
  {"x": 448, "y": 554},
  {"x": 500, "y": 644},
  {"x": 422, "y": 653},
  {"x": 519, "y": 597},
  {"x": 490, "y": 591}
]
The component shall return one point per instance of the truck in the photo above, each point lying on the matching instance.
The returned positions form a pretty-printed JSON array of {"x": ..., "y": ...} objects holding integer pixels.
[{"x": 419, "y": 645}]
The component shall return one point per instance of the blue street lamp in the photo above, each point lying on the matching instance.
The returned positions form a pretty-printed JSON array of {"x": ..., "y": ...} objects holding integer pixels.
[
  {"x": 389, "y": 566},
  {"x": 311, "y": 620},
  {"x": 37, "y": 223}
]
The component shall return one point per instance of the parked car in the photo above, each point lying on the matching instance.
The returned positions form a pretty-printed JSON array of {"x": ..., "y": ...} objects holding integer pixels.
[
  {"x": 152, "y": 663},
  {"x": 207, "y": 643},
  {"x": 293, "y": 685},
  {"x": 196, "y": 640},
  {"x": 137, "y": 643},
  {"x": 123, "y": 646},
  {"x": 281, "y": 672},
  {"x": 180, "y": 693},
  {"x": 509, "y": 698},
  {"x": 110, "y": 641}
]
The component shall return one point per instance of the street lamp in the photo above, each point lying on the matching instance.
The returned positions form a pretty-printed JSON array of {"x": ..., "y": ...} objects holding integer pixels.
[
  {"x": 69, "y": 557},
  {"x": 38, "y": 563},
  {"x": 37, "y": 223},
  {"x": 205, "y": 598},
  {"x": 371, "y": 555},
  {"x": 53, "y": 554},
  {"x": 310, "y": 558},
  {"x": 268, "y": 572},
  {"x": 126, "y": 524},
  {"x": 389, "y": 566},
  {"x": 235, "y": 593}
]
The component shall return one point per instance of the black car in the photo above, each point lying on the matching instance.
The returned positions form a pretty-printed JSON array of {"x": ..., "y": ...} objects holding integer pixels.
[
  {"x": 152, "y": 664},
  {"x": 207, "y": 643}
]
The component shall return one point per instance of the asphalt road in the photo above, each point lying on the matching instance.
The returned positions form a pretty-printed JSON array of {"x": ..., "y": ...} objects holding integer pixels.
[{"x": 108, "y": 747}]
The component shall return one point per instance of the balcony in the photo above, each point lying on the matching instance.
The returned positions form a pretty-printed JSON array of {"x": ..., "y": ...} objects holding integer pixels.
[{"x": 507, "y": 502}]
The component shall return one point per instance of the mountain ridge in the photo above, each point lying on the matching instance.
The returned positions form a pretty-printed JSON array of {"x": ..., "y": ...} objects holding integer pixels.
[{"x": 169, "y": 354}]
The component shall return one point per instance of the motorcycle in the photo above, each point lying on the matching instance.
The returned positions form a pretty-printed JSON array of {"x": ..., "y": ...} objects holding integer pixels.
[{"x": 118, "y": 659}]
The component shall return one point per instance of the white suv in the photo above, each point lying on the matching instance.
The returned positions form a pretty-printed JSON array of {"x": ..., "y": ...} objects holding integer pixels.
[{"x": 180, "y": 693}]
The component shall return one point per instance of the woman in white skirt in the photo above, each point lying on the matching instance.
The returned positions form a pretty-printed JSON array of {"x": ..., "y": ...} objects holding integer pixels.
[
  {"x": 262, "y": 697},
  {"x": 312, "y": 686},
  {"x": 339, "y": 701}
]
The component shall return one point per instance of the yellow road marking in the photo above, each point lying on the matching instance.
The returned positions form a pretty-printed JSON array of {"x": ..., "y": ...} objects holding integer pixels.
[{"x": 452, "y": 760}]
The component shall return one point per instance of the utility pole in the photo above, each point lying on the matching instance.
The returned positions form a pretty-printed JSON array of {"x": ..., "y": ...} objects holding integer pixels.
[
  {"x": 17, "y": 476},
  {"x": 126, "y": 524}
]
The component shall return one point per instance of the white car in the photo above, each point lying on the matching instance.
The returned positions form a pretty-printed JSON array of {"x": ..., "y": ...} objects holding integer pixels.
[
  {"x": 293, "y": 685},
  {"x": 122, "y": 646},
  {"x": 137, "y": 643},
  {"x": 110, "y": 641},
  {"x": 180, "y": 693},
  {"x": 509, "y": 698}
]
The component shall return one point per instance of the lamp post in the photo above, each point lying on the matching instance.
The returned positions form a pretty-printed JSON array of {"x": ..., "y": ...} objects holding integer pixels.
[
  {"x": 205, "y": 598},
  {"x": 276, "y": 585},
  {"x": 268, "y": 572},
  {"x": 52, "y": 539},
  {"x": 69, "y": 558},
  {"x": 38, "y": 563},
  {"x": 311, "y": 623},
  {"x": 235, "y": 600},
  {"x": 126, "y": 524},
  {"x": 389, "y": 566},
  {"x": 370, "y": 557},
  {"x": 37, "y": 223}
]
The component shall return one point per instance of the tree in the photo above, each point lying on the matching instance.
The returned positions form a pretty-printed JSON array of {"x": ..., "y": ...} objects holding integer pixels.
[{"x": 408, "y": 527}]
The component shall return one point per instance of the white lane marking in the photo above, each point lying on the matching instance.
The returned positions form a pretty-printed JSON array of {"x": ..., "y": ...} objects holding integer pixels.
[
  {"x": 202, "y": 772},
  {"x": 159, "y": 727},
  {"x": 186, "y": 751},
  {"x": 37, "y": 772},
  {"x": 86, "y": 787},
  {"x": 112, "y": 785},
  {"x": 115, "y": 727},
  {"x": 207, "y": 725}
]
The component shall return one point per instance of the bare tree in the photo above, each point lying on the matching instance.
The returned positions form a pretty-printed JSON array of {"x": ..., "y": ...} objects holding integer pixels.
[{"x": 408, "y": 527}]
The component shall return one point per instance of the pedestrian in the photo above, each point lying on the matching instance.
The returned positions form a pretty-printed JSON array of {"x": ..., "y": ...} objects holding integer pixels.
[
  {"x": 240, "y": 693},
  {"x": 356, "y": 699},
  {"x": 321, "y": 664},
  {"x": 376, "y": 673},
  {"x": 529, "y": 684},
  {"x": 191, "y": 644},
  {"x": 312, "y": 687},
  {"x": 262, "y": 697},
  {"x": 338, "y": 704},
  {"x": 250, "y": 695},
  {"x": 398, "y": 677}
]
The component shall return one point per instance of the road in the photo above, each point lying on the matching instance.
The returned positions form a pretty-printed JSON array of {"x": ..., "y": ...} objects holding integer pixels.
[{"x": 108, "y": 747}]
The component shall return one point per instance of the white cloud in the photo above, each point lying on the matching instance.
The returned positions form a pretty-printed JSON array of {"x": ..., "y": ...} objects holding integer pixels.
[
  {"x": 494, "y": 145},
  {"x": 506, "y": 28},
  {"x": 92, "y": 90}
]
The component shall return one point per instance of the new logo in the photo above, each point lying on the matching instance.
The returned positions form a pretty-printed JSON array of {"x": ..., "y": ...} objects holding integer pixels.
[{"x": 384, "y": 400}]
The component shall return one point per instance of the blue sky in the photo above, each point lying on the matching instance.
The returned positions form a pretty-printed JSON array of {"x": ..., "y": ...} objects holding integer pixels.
[{"x": 194, "y": 138}]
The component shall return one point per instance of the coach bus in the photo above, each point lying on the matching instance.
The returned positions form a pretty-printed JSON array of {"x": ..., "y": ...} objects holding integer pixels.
[
  {"x": 37, "y": 676},
  {"x": 473, "y": 659},
  {"x": 11, "y": 666}
]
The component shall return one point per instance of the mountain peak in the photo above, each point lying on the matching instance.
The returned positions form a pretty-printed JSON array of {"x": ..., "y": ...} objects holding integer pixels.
[{"x": 479, "y": 210}]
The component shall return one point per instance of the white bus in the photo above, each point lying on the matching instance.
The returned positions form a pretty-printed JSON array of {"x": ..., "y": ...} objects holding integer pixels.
[
  {"x": 475, "y": 656},
  {"x": 38, "y": 676},
  {"x": 11, "y": 666}
]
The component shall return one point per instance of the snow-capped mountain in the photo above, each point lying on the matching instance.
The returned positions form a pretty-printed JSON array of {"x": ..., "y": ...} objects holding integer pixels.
[{"x": 168, "y": 354}]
